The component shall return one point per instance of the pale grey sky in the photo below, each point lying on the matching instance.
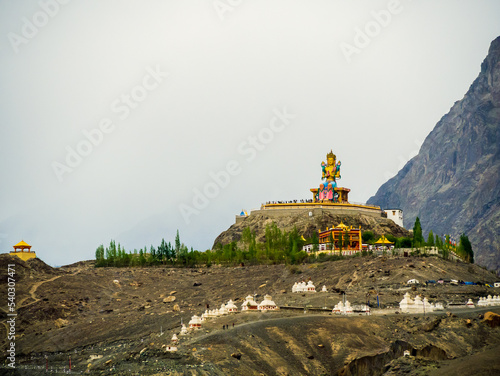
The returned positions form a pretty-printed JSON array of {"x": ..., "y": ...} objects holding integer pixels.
[{"x": 115, "y": 114}]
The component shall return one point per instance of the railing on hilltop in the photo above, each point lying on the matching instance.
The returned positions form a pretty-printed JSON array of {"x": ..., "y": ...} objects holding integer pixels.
[{"x": 310, "y": 203}]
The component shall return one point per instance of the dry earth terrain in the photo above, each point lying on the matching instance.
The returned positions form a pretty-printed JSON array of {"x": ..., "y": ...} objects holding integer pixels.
[{"x": 119, "y": 320}]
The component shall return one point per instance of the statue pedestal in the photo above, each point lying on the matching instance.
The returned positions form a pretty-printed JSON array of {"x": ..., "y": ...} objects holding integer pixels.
[{"x": 342, "y": 192}]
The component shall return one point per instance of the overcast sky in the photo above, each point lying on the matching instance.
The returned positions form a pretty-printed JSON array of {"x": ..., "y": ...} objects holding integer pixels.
[{"x": 116, "y": 117}]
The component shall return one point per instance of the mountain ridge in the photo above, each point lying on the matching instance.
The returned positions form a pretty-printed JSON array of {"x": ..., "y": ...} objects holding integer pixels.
[{"x": 453, "y": 183}]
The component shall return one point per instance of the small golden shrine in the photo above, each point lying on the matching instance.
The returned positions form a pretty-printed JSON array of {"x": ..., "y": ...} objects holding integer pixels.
[
  {"x": 23, "y": 251},
  {"x": 338, "y": 235},
  {"x": 383, "y": 241}
]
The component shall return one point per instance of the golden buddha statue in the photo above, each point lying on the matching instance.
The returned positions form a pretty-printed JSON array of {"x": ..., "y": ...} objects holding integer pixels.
[{"x": 331, "y": 170}]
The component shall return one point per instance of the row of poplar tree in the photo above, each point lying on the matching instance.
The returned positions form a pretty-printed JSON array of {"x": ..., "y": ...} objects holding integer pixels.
[
  {"x": 463, "y": 248},
  {"x": 279, "y": 247}
]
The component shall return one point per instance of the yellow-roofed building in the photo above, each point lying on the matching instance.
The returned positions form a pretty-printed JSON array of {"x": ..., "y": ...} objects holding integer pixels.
[
  {"x": 383, "y": 241},
  {"x": 23, "y": 251}
]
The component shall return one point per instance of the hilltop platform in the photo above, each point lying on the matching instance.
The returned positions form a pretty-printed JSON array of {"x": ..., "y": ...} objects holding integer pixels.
[{"x": 315, "y": 208}]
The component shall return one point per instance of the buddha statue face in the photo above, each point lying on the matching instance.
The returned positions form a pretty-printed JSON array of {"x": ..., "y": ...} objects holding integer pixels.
[{"x": 330, "y": 157}]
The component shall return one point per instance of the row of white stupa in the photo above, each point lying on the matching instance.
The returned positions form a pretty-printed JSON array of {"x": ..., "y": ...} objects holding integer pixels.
[
  {"x": 418, "y": 305},
  {"x": 487, "y": 301},
  {"x": 248, "y": 305},
  {"x": 306, "y": 287},
  {"x": 347, "y": 309}
]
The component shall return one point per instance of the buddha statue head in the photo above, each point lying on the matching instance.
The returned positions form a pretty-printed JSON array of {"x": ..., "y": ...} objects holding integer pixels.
[{"x": 331, "y": 158}]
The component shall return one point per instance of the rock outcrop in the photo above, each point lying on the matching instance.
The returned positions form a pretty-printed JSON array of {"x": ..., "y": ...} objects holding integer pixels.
[
  {"x": 453, "y": 184},
  {"x": 306, "y": 225}
]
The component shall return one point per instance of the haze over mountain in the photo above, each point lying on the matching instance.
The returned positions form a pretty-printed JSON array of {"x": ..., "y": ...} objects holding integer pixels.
[{"x": 453, "y": 184}]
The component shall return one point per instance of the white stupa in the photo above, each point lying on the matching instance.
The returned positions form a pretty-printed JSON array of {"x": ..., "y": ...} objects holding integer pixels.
[
  {"x": 195, "y": 322},
  {"x": 249, "y": 304},
  {"x": 418, "y": 305},
  {"x": 267, "y": 304},
  {"x": 343, "y": 309},
  {"x": 231, "y": 307},
  {"x": 310, "y": 287},
  {"x": 348, "y": 308},
  {"x": 175, "y": 339},
  {"x": 470, "y": 304},
  {"x": 184, "y": 330},
  {"x": 223, "y": 309},
  {"x": 324, "y": 289},
  {"x": 438, "y": 307},
  {"x": 299, "y": 287},
  {"x": 406, "y": 303}
]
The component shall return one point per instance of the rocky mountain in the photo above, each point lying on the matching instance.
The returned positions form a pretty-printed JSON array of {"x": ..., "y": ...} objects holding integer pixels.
[
  {"x": 306, "y": 225},
  {"x": 453, "y": 184}
]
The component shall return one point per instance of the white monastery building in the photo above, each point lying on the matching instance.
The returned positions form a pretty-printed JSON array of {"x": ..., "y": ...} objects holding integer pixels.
[{"x": 396, "y": 215}]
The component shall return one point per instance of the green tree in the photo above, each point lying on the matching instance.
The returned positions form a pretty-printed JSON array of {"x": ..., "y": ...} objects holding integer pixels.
[
  {"x": 177, "y": 245},
  {"x": 465, "y": 249},
  {"x": 111, "y": 254},
  {"x": 331, "y": 241},
  {"x": 246, "y": 237},
  {"x": 403, "y": 242},
  {"x": 418, "y": 238},
  {"x": 99, "y": 256},
  {"x": 430, "y": 239},
  {"x": 391, "y": 238},
  {"x": 346, "y": 239},
  {"x": 183, "y": 255},
  {"x": 447, "y": 241},
  {"x": 315, "y": 241},
  {"x": 368, "y": 237},
  {"x": 152, "y": 259},
  {"x": 142, "y": 258},
  {"x": 438, "y": 242},
  {"x": 340, "y": 243}
]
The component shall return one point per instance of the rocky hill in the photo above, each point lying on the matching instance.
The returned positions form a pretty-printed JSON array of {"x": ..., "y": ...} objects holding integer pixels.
[
  {"x": 453, "y": 184},
  {"x": 119, "y": 320},
  {"x": 306, "y": 224}
]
